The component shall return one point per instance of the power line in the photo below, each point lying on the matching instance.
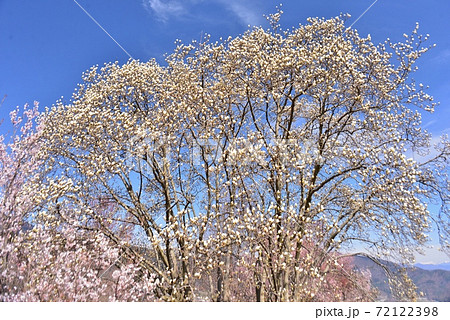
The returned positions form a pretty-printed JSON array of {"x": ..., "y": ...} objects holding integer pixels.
[
  {"x": 362, "y": 14},
  {"x": 100, "y": 26}
]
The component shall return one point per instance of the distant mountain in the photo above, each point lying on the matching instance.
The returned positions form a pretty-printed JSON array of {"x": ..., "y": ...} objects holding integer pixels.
[
  {"x": 434, "y": 283},
  {"x": 440, "y": 266}
]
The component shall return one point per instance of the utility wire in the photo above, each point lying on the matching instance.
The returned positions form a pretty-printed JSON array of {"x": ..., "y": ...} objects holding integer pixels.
[
  {"x": 362, "y": 14},
  {"x": 100, "y": 26}
]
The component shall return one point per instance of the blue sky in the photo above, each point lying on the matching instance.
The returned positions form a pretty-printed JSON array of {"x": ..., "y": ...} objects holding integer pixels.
[{"x": 45, "y": 45}]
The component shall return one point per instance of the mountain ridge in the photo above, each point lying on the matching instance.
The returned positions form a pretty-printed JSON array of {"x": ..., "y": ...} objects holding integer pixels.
[
  {"x": 430, "y": 266},
  {"x": 433, "y": 283}
]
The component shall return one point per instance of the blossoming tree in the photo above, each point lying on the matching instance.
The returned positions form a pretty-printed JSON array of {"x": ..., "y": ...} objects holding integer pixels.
[
  {"x": 43, "y": 258},
  {"x": 251, "y": 162}
]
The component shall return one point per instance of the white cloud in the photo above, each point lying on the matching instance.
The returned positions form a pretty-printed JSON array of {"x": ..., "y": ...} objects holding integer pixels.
[
  {"x": 442, "y": 57},
  {"x": 432, "y": 255},
  {"x": 246, "y": 13},
  {"x": 164, "y": 8}
]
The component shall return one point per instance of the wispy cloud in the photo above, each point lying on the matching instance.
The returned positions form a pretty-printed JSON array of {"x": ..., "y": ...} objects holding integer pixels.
[
  {"x": 442, "y": 57},
  {"x": 245, "y": 11},
  {"x": 432, "y": 255},
  {"x": 164, "y": 9}
]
